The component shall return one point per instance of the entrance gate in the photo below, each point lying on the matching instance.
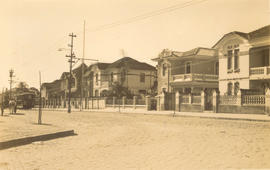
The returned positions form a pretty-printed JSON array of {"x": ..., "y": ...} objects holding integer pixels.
[
  {"x": 208, "y": 100},
  {"x": 169, "y": 101}
]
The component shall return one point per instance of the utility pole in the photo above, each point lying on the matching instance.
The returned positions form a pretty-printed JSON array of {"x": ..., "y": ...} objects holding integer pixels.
[
  {"x": 82, "y": 88},
  {"x": 71, "y": 56},
  {"x": 11, "y": 72},
  {"x": 39, "y": 111}
]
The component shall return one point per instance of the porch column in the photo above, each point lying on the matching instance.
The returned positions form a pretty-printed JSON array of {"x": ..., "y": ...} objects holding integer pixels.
[
  {"x": 202, "y": 100},
  {"x": 189, "y": 98},
  {"x": 177, "y": 101},
  {"x": 267, "y": 102}
]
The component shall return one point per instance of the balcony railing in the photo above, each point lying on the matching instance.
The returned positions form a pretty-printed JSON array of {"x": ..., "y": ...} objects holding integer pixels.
[
  {"x": 198, "y": 77},
  {"x": 259, "y": 71}
]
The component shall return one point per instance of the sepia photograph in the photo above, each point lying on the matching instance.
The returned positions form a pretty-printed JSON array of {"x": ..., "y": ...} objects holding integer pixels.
[{"x": 135, "y": 85}]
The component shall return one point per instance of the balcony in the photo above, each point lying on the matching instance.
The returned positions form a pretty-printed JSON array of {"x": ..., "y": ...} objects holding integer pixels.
[
  {"x": 195, "y": 77},
  {"x": 259, "y": 73}
]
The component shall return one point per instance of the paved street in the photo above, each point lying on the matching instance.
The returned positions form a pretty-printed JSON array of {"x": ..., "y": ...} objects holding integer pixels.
[{"x": 136, "y": 141}]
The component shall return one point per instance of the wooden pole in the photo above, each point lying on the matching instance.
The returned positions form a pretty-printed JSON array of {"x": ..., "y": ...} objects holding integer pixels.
[{"x": 39, "y": 110}]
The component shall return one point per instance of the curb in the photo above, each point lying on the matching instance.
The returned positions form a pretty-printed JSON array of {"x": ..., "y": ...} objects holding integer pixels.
[
  {"x": 224, "y": 118},
  {"x": 27, "y": 140},
  {"x": 176, "y": 115}
]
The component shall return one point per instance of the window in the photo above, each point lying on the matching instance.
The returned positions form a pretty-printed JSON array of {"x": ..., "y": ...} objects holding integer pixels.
[
  {"x": 188, "y": 67},
  {"x": 229, "y": 60},
  {"x": 236, "y": 59},
  {"x": 123, "y": 76},
  {"x": 96, "y": 78},
  {"x": 72, "y": 82},
  {"x": 164, "y": 90},
  {"x": 229, "y": 89},
  {"x": 111, "y": 76},
  {"x": 142, "y": 77},
  {"x": 236, "y": 88},
  {"x": 142, "y": 91},
  {"x": 96, "y": 93},
  {"x": 164, "y": 68},
  {"x": 187, "y": 90},
  {"x": 217, "y": 68}
]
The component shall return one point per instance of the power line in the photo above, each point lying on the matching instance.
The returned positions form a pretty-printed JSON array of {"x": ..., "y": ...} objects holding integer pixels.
[{"x": 147, "y": 15}]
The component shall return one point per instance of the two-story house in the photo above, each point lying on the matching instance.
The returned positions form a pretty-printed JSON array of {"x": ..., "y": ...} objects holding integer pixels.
[
  {"x": 136, "y": 76},
  {"x": 244, "y": 62},
  {"x": 58, "y": 89},
  {"x": 189, "y": 72},
  {"x": 96, "y": 79}
]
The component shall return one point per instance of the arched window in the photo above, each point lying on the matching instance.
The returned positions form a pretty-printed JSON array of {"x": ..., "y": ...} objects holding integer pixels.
[
  {"x": 236, "y": 88},
  {"x": 96, "y": 93},
  {"x": 229, "y": 61},
  {"x": 236, "y": 59},
  {"x": 229, "y": 89},
  {"x": 97, "y": 78}
]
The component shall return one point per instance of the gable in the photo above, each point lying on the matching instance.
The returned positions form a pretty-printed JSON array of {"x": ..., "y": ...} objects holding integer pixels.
[{"x": 230, "y": 39}]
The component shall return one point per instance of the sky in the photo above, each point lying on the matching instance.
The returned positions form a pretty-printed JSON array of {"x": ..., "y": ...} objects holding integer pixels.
[{"x": 32, "y": 31}]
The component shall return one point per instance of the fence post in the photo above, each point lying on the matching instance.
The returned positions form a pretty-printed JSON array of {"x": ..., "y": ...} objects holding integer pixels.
[
  {"x": 148, "y": 102},
  {"x": 239, "y": 98},
  {"x": 124, "y": 101},
  {"x": 267, "y": 101},
  {"x": 215, "y": 101},
  {"x": 177, "y": 101},
  {"x": 134, "y": 102},
  {"x": 105, "y": 100},
  {"x": 114, "y": 101},
  {"x": 162, "y": 101},
  {"x": 202, "y": 100},
  {"x": 158, "y": 102}
]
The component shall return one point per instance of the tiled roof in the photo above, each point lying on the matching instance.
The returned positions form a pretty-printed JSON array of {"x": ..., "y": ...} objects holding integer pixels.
[
  {"x": 79, "y": 69},
  {"x": 178, "y": 54},
  {"x": 264, "y": 31},
  {"x": 102, "y": 66},
  {"x": 131, "y": 64},
  {"x": 261, "y": 32}
]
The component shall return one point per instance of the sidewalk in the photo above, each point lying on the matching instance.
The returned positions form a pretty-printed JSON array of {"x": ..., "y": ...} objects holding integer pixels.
[
  {"x": 228, "y": 116},
  {"x": 22, "y": 128}
]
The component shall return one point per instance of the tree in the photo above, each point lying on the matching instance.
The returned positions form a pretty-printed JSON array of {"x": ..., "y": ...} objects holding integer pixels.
[
  {"x": 119, "y": 90},
  {"x": 22, "y": 87}
]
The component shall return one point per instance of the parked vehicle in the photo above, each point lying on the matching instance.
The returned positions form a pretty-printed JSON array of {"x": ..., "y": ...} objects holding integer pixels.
[{"x": 26, "y": 100}]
